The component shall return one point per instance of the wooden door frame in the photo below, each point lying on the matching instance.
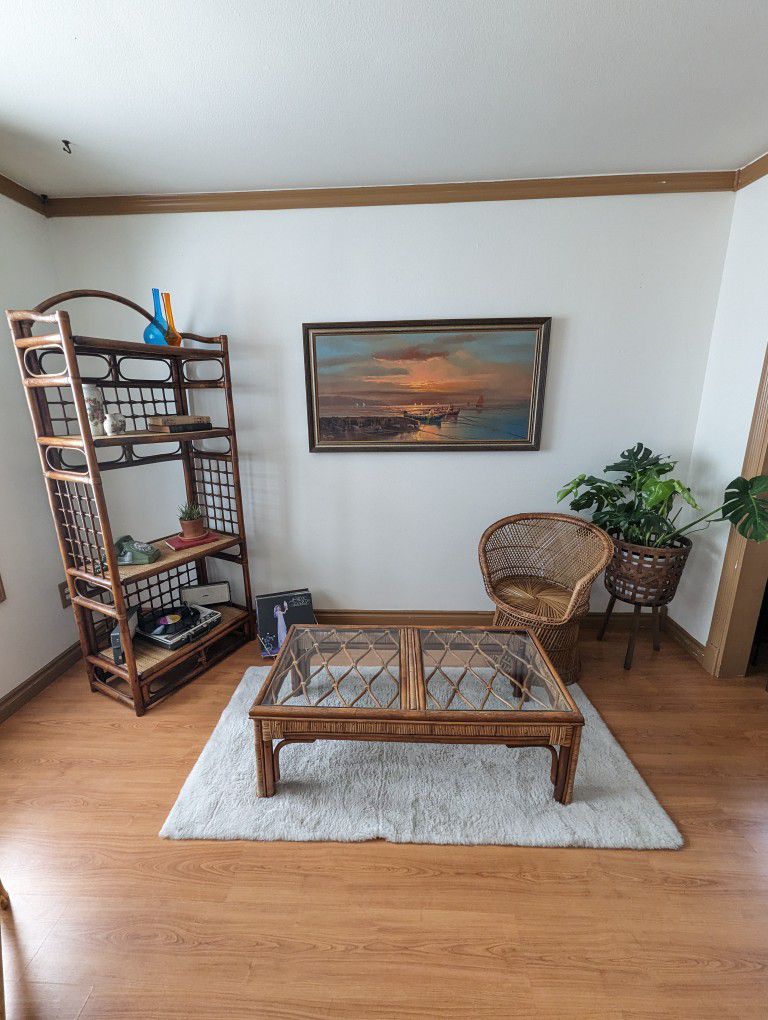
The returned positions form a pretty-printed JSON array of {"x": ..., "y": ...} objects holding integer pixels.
[{"x": 743, "y": 578}]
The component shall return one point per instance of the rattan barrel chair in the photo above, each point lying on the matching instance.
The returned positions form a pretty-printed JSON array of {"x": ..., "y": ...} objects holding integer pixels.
[{"x": 539, "y": 569}]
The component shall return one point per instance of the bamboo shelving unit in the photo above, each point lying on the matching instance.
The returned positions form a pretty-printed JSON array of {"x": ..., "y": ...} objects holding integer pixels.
[{"x": 103, "y": 592}]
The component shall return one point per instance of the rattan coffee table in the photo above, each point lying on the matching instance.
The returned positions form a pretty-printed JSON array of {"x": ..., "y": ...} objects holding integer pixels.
[{"x": 415, "y": 684}]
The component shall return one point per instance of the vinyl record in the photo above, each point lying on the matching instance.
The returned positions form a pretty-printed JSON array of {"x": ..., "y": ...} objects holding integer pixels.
[{"x": 173, "y": 620}]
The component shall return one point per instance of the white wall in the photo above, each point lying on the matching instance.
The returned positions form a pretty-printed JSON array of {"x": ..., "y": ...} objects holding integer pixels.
[
  {"x": 728, "y": 398},
  {"x": 631, "y": 283},
  {"x": 33, "y": 626}
]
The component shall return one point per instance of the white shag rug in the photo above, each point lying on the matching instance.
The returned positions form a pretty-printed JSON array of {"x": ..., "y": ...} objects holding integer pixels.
[{"x": 339, "y": 790}]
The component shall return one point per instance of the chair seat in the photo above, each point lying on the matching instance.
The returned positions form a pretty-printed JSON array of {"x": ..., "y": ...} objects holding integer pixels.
[{"x": 535, "y": 595}]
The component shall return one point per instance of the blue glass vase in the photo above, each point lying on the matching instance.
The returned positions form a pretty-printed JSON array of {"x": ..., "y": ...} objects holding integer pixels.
[{"x": 156, "y": 330}]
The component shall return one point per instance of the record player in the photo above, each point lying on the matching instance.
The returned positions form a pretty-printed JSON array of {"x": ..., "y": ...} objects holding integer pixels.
[{"x": 175, "y": 626}]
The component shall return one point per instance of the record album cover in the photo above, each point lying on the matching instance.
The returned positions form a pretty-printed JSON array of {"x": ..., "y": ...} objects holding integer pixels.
[{"x": 276, "y": 612}]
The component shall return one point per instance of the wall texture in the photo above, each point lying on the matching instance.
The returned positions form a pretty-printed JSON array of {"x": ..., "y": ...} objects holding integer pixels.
[
  {"x": 631, "y": 283},
  {"x": 33, "y": 626},
  {"x": 728, "y": 398}
]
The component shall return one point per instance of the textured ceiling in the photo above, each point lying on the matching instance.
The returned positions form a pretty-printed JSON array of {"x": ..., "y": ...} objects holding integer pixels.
[{"x": 181, "y": 96}]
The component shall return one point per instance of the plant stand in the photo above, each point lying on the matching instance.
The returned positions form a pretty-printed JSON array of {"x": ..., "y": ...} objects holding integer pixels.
[
  {"x": 635, "y": 627},
  {"x": 141, "y": 380},
  {"x": 642, "y": 575}
]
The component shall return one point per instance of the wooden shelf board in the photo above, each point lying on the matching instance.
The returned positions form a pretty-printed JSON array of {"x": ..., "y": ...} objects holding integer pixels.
[
  {"x": 86, "y": 344},
  {"x": 152, "y": 658},
  {"x": 135, "y": 438},
  {"x": 169, "y": 558}
]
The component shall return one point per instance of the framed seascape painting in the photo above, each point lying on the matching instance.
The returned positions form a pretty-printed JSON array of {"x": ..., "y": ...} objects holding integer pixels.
[{"x": 437, "y": 384}]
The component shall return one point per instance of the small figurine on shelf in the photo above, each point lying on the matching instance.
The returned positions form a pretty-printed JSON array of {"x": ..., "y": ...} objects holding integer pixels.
[
  {"x": 172, "y": 335},
  {"x": 155, "y": 332},
  {"x": 114, "y": 423}
]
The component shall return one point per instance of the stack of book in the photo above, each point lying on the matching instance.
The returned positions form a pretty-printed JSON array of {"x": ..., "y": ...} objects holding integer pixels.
[{"x": 178, "y": 423}]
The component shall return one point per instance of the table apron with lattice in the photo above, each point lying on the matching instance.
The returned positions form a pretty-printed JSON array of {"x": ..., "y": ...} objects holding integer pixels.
[{"x": 416, "y": 685}]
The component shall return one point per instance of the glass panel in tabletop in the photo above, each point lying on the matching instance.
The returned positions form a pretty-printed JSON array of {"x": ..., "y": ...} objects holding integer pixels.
[
  {"x": 476, "y": 670},
  {"x": 336, "y": 667}
]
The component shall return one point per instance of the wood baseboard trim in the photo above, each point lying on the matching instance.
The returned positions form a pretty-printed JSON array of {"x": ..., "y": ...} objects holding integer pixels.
[
  {"x": 404, "y": 617},
  {"x": 484, "y": 618},
  {"x": 36, "y": 683},
  {"x": 405, "y": 194},
  {"x": 688, "y": 641},
  {"x": 21, "y": 195}
]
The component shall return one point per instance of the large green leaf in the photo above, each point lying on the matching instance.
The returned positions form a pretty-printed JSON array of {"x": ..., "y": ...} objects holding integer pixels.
[
  {"x": 639, "y": 458},
  {"x": 585, "y": 500},
  {"x": 659, "y": 492},
  {"x": 571, "y": 486},
  {"x": 746, "y": 507}
]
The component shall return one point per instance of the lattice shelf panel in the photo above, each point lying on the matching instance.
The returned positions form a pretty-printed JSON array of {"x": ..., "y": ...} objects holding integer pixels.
[
  {"x": 79, "y": 520},
  {"x": 216, "y": 489}
]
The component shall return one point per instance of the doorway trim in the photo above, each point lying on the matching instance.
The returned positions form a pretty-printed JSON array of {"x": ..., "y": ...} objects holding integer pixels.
[{"x": 743, "y": 578}]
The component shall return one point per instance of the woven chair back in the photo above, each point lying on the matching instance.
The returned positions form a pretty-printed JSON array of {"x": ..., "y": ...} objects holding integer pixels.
[{"x": 557, "y": 547}]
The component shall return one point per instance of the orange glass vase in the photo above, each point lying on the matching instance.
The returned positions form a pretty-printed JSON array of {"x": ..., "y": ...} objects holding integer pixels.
[{"x": 172, "y": 336}]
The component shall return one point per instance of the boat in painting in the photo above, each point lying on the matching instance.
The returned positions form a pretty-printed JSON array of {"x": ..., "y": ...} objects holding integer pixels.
[{"x": 433, "y": 417}]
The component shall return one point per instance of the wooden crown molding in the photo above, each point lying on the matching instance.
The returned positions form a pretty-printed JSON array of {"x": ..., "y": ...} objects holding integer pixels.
[
  {"x": 752, "y": 172},
  {"x": 21, "y": 195},
  {"x": 398, "y": 194},
  {"x": 406, "y": 194}
]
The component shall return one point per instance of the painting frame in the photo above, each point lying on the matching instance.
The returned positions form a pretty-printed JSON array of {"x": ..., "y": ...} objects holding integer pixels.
[{"x": 541, "y": 325}]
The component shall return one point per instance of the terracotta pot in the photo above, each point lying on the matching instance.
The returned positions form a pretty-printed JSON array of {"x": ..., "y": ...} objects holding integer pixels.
[
  {"x": 193, "y": 529},
  {"x": 645, "y": 575}
]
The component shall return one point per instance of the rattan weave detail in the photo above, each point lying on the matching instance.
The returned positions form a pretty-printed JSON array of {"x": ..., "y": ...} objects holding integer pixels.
[
  {"x": 643, "y": 575},
  {"x": 539, "y": 569}
]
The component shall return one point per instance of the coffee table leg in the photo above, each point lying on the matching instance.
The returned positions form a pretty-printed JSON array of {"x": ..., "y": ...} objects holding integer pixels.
[
  {"x": 265, "y": 768},
  {"x": 278, "y": 748},
  {"x": 566, "y": 768},
  {"x": 553, "y": 767}
]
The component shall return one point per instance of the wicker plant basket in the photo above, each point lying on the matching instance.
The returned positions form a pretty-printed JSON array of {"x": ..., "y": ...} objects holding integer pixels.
[{"x": 644, "y": 575}]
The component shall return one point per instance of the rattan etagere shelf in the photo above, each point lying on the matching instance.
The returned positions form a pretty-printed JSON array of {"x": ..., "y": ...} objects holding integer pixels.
[{"x": 54, "y": 365}]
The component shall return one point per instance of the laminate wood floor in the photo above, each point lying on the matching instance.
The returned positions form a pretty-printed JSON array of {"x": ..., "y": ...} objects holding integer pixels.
[{"x": 108, "y": 921}]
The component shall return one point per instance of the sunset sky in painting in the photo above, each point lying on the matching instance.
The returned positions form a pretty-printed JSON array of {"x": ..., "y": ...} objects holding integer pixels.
[{"x": 394, "y": 369}]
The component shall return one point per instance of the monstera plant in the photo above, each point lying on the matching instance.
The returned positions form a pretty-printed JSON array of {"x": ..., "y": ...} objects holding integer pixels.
[
  {"x": 643, "y": 505},
  {"x": 641, "y": 509}
]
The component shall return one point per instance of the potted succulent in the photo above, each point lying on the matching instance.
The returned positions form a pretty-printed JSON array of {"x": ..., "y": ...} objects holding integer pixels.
[
  {"x": 641, "y": 512},
  {"x": 191, "y": 521}
]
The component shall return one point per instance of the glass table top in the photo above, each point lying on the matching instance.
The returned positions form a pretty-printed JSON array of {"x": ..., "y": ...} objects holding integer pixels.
[{"x": 452, "y": 669}]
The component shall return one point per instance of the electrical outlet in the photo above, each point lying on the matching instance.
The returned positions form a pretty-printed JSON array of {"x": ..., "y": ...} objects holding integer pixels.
[{"x": 66, "y": 601}]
